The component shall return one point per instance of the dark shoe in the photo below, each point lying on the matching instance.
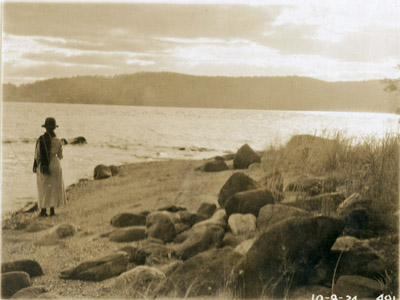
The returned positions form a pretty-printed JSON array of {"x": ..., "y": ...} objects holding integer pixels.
[
  {"x": 52, "y": 213},
  {"x": 43, "y": 213}
]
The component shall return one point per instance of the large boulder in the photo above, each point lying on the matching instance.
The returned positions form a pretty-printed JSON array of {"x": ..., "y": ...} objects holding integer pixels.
[
  {"x": 242, "y": 224},
  {"x": 140, "y": 282},
  {"x": 316, "y": 151},
  {"x": 128, "y": 234},
  {"x": 205, "y": 274},
  {"x": 102, "y": 172},
  {"x": 128, "y": 219},
  {"x": 238, "y": 182},
  {"x": 363, "y": 287},
  {"x": 286, "y": 252},
  {"x": 274, "y": 213},
  {"x": 12, "y": 282},
  {"x": 248, "y": 202},
  {"x": 25, "y": 265},
  {"x": 160, "y": 225},
  {"x": 206, "y": 209},
  {"x": 98, "y": 269},
  {"x": 215, "y": 166},
  {"x": 200, "y": 239},
  {"x": 62, "y": 231},
  {"x": 244, "y": 157},
  {"x": 32, "y": 292}
]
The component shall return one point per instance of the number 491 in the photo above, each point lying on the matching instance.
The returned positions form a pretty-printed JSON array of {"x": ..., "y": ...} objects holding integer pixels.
[{"x": 386, "y": 297}]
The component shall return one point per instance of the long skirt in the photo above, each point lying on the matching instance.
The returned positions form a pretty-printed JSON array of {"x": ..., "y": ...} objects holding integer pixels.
[{"x": 51, "y": 191}]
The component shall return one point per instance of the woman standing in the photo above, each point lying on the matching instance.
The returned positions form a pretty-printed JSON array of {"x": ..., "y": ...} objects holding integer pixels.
[{"x": 47, "y": 166}]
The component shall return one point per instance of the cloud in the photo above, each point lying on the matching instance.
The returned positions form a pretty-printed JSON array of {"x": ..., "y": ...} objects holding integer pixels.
[{"x": 331, "y": 40}]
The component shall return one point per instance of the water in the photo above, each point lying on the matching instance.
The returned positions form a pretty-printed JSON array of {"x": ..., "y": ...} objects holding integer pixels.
[{"x": 124, "y": 134}]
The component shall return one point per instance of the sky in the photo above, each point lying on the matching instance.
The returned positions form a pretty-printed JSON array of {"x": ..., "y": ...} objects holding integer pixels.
[{"x": 341, "y": 40}]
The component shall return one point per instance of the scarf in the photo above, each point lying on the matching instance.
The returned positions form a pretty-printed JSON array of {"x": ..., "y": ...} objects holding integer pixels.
[{"x": 44, "y": 146}]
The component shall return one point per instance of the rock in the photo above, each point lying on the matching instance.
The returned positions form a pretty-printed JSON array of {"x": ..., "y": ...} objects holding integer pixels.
[
  {"x": 128, "y": 234},
  {"x": 248, "y": 202},
  {"x": 157, "y": 254},
  {"x": 102, "y": 172},
  {"x": 160, "y": 225},
  {"x": 219, "y": 219},
  {"x": 362, "y": 218},
  {"x": 172, "y": 208},
  {"x": 295, "y": 244},
  {"x": 244, "y": 157},
  {"x": 141, "y": 282},
  {"x": 362, "y": 261},
  {"x": 205, "y": 274},
  {"x": 232, "y": 240},
  {"x": 325, "y": 204},
  {"x": 242, "y": 224},
  {"x": 62, "y": 231},
  {"x": 315, "y": 151},
  {"x": 200, "y": 239},
  {"x": 215, "y": 166},
  {"x": 32, "y": 292},
  {"x": 181, "y": 227},
  {"x": 363, "y": 287},
  {"x": 114, "y": 170},
  {"x": 128, "y": 219},
  {"x": 238, "y": 182},
  {"x": 357, "y": 223},
  {"x": 136, "y": 255},
  {"x": 244, "y": 246},
  {"x": 77, "y": 141},
  {"x": 37, "y": 226},
  {"x": 347, "y": 243},
  {"x": 206, "y": 209},
  {"x": 98, "y": 269},
  {"x": 30, "y": 207},
  {"x": 312, "y": 185},
  {"x": 190, "y": 217},
  {"x": 12, "y": 282},
  {"x": 26, "y": 265},
  {"x": 274, "y": 213}
]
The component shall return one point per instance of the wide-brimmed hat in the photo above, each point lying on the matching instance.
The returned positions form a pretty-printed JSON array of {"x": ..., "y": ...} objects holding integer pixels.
[{"x": 50, "y": 123}]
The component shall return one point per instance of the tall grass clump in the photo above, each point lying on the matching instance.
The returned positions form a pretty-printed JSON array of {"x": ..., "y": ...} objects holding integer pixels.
[{"x": 368, "y": 166}]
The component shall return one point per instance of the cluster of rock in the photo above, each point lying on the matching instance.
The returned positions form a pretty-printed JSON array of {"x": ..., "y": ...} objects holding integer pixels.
[
  {"x": 251, "y": 245},
  {"x": 243, "y": 158},
  {"x": 16, "y": 281}
]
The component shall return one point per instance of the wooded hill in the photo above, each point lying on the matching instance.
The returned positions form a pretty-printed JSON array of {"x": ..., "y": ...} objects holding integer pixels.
[{"x": 179, "y": 90}]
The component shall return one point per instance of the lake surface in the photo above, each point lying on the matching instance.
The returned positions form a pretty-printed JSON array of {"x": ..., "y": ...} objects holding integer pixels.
[{"x": 126, "y": 134}]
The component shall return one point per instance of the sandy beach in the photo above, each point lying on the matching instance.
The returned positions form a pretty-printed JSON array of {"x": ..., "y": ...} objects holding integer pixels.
[
  {"x": 284, "y": 195},
  {"x": 91, "y": 205}
]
